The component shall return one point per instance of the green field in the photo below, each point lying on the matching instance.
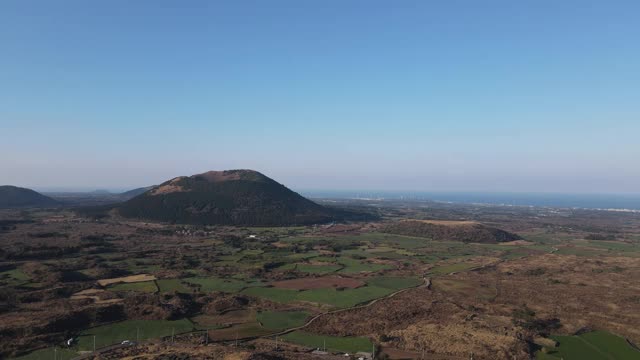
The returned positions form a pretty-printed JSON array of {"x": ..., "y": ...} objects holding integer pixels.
[
  {"x": 14, "y": 277},
  {"x": 251, "y": 329},
  {"x": 170, "y": 285},
  {"x": 130, "y": 330},
  {"x": 377, "y": 287},
  {"x": 395, "y": 283},
  {"x": 356, "y": 266},
  {"x": 287, "y": 267},
  {"x": 218, "y": 284},
  {"x": 332, "y": 343},
  {"x": 580, "y": 251},
  {"x": 343, "y": 298},
  {"x": 318, "y": 269},
  {"x": 595, "y": 345},
  {"x": 305, "y": 255},
  {"x": 337, "y": 298},
  {"x": 144, "y": 286},
  {"x": 49, "y": 353},
  {"x": 280, "y": 320}
]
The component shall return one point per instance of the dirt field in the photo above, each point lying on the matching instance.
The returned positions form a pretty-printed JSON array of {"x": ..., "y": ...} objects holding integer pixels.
[
  {"x": 127, "y": 279},
  {"x": 96, "y": 295}
]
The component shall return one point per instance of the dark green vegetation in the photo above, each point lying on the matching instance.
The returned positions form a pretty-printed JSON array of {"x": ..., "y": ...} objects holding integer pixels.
[
  {"x": 234, "y": 197},
  {"x": 595, "y": 345},
  {"x": 50, "y": 353},
  {"x": 451, "y": 231},
  {"x": 12, "y": 197}
]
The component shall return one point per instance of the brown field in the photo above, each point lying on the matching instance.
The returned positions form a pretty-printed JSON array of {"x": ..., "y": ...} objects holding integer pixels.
[
  {"x": 127, "y": 279},
  {"x": 446, "y": 222},
  {"x": 97, "y": 295},
  {"x": 228, "y": 318},
  {"x": 517, "y": 243}
]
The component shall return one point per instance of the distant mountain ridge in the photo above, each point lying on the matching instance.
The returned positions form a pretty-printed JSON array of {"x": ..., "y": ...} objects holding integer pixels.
[
  {"x": 17, "y": 197},
  {"x": 135, "y": 192},
  {"x": 230, "y": 197}
]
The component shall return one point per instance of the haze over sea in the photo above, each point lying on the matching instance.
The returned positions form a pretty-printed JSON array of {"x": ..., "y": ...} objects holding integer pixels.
[{"x": 585, "y": 201}]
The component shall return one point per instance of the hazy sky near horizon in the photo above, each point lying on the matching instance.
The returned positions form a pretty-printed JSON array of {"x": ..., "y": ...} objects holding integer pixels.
[{"x": 537, "y": 96}]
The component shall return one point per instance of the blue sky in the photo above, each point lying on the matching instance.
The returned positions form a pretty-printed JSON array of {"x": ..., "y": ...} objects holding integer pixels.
[{"x": 539, "y": 96}]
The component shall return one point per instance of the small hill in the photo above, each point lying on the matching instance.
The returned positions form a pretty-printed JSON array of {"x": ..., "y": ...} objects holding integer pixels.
[
  {"x": 466, "y": 231},
  {"x": 17, "y": 197},
  {"x": 232, "y": 197},
  {"x": 134, "y": 192}
]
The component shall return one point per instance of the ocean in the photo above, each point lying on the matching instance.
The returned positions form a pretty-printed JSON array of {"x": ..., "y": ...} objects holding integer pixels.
[{"x": 585, "y": 201}]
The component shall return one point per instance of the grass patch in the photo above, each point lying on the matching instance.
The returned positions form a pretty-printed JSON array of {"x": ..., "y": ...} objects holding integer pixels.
[
  {"x": 333, "y": 343},
  {"x": 280, "y": 320},
  {"x": 171, "y": 285},
  {"x": 306, "y": 255},
  {"x": 239, "y": 331},
  {"x": 394, "y": 283},
  {"x": 47, "y": 354},
  {"x": 336, "y": 298},
  {"x": 447, "y": 269},
  {"x": 580, "y": 251},
  {"x": 129, "y": 330},
  {"x": 356, "y": 266},
  {"x": 318, "y": 269},
  {"x": 287, "y": 267},
  {"x": 343, "y": 298},
  {"x": 595, "y": 345},
  {"x": 14, "y": 277},
  {"x": 145, "y": 286}
]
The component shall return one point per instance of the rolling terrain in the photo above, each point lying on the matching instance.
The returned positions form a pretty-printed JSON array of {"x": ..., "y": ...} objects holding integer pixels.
[
  {"x": 465, "y": 231},
  {"x": 181, "y": 291},
  {"x": 12, "y": 197}
]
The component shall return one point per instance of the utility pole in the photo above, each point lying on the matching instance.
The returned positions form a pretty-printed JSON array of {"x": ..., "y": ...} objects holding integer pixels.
[
  {"x": 94, "y": 343},
  {"x": 324, "y": 345},
  {"x": 373, "y": 351},
  {"x": 137, "y": 334}
]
